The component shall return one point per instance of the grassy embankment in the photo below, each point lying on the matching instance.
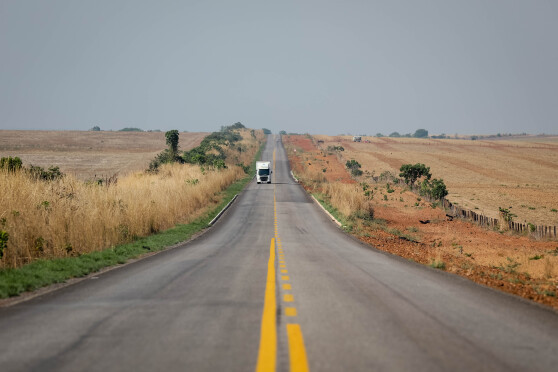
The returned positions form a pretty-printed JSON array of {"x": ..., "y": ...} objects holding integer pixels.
[{"x": 66, "y": 228}]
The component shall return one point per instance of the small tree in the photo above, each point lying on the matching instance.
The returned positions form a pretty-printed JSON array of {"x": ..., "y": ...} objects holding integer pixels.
[
  {"x": 172, "y": 141},
  {"x": 266, "y": 131},
  {"x": 354, "y": 167},
  {"x": 283, "y": 132},
  {"x": 435, "y": 189},
  {"x": 421, "y": 133},
  {"x": 95, "y": 129},
  {"x": 237, "y": 125},
  {"x": 395, "y": 134},
  {"x": 411, "y": 173}
]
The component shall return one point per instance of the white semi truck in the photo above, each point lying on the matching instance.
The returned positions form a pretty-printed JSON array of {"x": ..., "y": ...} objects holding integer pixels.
[{"x": 263, "y": 172}]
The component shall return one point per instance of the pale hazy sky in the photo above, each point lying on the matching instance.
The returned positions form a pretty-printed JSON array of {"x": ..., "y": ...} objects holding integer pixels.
[{"x": 359, "y": 67}]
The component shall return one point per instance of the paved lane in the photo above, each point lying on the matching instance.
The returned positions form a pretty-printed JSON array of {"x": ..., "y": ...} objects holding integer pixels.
[{"x": 336, "y": 305}]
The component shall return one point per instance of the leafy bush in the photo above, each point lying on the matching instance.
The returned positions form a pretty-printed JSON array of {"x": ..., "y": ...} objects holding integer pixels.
[
  {"x": 335, "y": 148},
  {"x": 53, "y": 173},
  {"x": 11, "y": 164},
  {"x": 506, "y": 214},
  {"x": 435, "y": 189},
  {"x": 411, "y": 173},
  {"x": 354, "y": 167}
]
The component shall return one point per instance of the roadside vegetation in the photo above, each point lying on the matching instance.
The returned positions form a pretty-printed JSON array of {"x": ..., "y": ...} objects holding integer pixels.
[{"x": 45, "y": 218}]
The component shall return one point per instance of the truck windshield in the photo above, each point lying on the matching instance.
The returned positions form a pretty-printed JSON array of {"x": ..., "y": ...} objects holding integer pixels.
[{"x": 263, "y": 172}]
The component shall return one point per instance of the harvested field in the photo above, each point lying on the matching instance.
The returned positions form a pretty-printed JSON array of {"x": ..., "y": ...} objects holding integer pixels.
[
  {"x": 86, "y": 155},
  {"x": 406, "y": 225},
  {"x": 480, "y": 175}
]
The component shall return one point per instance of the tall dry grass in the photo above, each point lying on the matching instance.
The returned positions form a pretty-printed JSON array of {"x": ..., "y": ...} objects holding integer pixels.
[
  {"x": 348, "y": 199},
  {"x": 68, "y": 217}
]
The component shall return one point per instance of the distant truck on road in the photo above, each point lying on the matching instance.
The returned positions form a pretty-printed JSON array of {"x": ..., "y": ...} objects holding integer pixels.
[{"x": 263, "y": 172}]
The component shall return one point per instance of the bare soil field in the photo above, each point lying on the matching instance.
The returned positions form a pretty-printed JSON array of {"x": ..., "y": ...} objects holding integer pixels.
[
  {"x": 480, "y": 175},
  {"x": 510, "y": 262},
  {"x": 90, "y": 154}
]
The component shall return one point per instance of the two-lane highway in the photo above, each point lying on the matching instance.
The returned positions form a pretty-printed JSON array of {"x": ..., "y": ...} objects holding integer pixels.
[{"x": 275, "y": 285}]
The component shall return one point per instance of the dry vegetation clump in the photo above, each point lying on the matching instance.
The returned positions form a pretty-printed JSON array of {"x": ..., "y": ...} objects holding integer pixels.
[{"x": 69, "y": 217}]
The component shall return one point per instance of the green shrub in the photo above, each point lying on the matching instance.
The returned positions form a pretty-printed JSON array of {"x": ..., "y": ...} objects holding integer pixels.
[
  {"x": 4, "y": 236},
  {"x": 411, "y": 173},
  {"x": 11, "y": 164}
]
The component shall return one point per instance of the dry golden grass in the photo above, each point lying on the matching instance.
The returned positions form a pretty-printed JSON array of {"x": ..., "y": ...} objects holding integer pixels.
[
  {"x": 45, "y": 219},
  {"x": 480, "y": 175},
  {"x": 69, "y": 216},
  {"x": 85, "y": 155}
]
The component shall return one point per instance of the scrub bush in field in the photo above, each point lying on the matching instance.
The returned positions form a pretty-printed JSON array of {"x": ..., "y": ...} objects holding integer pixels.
[
  {"x": 354, "y": 167},
  {"x": 435, "y": 189},
  {"x": 411, "y": 173}
]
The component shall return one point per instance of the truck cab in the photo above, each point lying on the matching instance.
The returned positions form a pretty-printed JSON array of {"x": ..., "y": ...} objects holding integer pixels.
[{"x": 263, "y": 172}]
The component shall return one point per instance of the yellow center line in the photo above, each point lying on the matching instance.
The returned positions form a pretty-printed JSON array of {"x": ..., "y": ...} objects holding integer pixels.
[
  {"x": 297, "y": 351},
  {"x": 267, "y": 355},
  {"x": 290, "y": 311}
]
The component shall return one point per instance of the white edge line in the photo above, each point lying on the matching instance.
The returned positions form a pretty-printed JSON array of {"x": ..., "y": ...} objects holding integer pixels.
[
  {"x": 293, "y": 176},
  {"x": 222, "y": 211},
  {"x": 325, "y": 210}
]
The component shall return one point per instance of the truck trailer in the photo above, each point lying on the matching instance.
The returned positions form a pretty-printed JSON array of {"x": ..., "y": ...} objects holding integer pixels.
[{"x": 263, "y": 172}]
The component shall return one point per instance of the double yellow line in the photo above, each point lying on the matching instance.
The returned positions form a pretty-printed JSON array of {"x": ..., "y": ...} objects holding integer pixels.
[{"x": 267, "y": 356}]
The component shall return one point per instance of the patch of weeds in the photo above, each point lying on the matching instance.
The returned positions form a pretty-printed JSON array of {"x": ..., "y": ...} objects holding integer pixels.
[
  {"x": 532, "y": 208},
  {"x": 412, "y": 229},
  {"x": 553, "y": 252},
  {"x": 470, "y": 255},
  {"x": 441, "y": 265},
  {"x": 537, "y": 257},
  {"x": 497, "y": 276},
  {"x": 510, "y": 266},
  {"x": 516, "y": 280},
  {"x": 385, "y": 197},
  {"x": 409, "y": 238},
  {"x": 554, "y": 210}
]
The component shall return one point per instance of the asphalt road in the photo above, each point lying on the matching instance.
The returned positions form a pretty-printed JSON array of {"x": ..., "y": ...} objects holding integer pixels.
[{"x": 276, "y": 285}]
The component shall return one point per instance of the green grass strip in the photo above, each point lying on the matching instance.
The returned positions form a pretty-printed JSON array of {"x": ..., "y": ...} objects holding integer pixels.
[{"x": 44, "y": 272}]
